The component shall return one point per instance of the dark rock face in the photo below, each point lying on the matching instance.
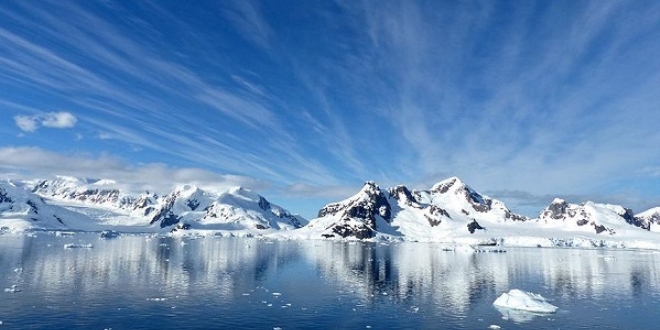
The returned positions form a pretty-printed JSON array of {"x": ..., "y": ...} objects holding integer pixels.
[
  {"x": 582, "y": 222},
  {"x": 4, "y": 198},
  {"x": 557, "y": 210},
  {"x": 402, "y": 193},
  {"x": 435, "y": 214},
  {"x": 192, "y": 203},
  {"x": 478, "y": 202},
  {"x": 360, "y": 232},
  {"x": 600, "y": 228},
  {"x": 33, "y": 206},
  {"x": 264, "y": 204},
  {"x": 630, "y": 218},
  {"x": 165, "y": 215},
  {"x": 473, "y": 226}
]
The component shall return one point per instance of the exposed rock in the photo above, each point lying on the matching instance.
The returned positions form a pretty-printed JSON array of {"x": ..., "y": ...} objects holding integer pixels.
[
  {"x": 4, "y": 198},
  {"x": 630, "y": 218},
  {"x": 473, "y": 226},
  {"x": 402, "y": 194},
  {"x": 556, "y": 209},
  {"x": 165, "y": 215}
]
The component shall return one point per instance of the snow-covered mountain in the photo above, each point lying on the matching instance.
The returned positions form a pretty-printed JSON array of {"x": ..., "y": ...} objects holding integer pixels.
[
  {"x": 448, "y": 206},
  {"x": 590, "y": 216},
  {"x": 652, "y": 217},
  {"x": 452, "y": 211},
  {"x": 20, "y": 209},
  {"x": 102, "y": 205},
  {"x": 96, "y": 192},
  {"x": 238, "y": 208}
]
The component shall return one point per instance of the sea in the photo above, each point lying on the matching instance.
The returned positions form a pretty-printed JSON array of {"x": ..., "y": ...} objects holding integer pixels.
[{"x": 81, "y": 281}]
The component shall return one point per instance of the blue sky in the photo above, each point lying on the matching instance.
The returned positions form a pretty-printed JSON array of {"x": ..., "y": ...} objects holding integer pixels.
[{"x": 305, "y": 100}]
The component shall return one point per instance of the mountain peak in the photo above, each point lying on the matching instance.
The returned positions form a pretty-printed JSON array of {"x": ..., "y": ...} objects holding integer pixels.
[
  {"x": 450, "y": 183},
  {"x": 245, "y": 193}
]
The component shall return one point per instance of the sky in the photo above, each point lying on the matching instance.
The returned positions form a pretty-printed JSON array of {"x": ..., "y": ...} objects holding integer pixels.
[{"x": 303, "y": 101}]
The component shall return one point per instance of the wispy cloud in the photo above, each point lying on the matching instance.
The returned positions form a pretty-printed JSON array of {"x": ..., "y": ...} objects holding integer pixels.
[{"x": 50, "y": 119}]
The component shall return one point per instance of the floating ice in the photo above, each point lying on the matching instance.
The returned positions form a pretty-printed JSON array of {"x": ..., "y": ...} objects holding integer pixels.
[
  {"x": 494, "y": 327},
  {"x": 13, "y": 289},
  {"x": 156, "y": 299},
  {"x": 78, "y": 246},
  {"x": 276, "y": 294},
  {"x": 525, "y": 301}
]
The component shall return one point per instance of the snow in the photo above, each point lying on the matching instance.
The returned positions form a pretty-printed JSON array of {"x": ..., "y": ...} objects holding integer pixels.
[
  {"x": 438, "y": 215},
  {"x": 525, "y": 301}
]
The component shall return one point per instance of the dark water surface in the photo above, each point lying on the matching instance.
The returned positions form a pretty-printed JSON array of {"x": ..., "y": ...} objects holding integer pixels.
[{"x": 135, "y": 282}]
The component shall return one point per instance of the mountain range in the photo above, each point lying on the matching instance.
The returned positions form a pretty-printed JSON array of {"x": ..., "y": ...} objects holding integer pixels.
[{"x": 449, "y": 210}]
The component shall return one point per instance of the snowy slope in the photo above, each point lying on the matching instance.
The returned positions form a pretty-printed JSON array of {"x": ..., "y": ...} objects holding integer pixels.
[
  {"x": 22, "y": 210},
  {"x": 185, "y": 206}
]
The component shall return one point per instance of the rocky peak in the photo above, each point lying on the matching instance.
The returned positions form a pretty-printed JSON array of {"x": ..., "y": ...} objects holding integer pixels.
[
  {"x": 445, "y": 185},
  {"x": 556, "y": 209},
  {"x": 402, "y": 194}
]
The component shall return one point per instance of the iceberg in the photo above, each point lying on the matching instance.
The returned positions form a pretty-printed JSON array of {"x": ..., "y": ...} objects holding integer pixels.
[{"x": 525, "y": 301}]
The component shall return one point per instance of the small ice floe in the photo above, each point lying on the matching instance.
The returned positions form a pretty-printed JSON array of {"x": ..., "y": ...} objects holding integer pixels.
[
  {"x": 13, "y": 289},
  {"x": 414, "y": 309},
  {"x": 494, "y": 327},
  {"x": 157, "y": 299},
  {"x": 525, "y": 301},
  {"x": 276, "y": 294},
  {"x": 65, "y": 233},
  {"x": 78, "y": 246}
]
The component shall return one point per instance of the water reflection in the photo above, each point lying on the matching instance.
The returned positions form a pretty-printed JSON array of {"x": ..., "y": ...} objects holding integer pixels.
[{"x": 414, "y": 276}]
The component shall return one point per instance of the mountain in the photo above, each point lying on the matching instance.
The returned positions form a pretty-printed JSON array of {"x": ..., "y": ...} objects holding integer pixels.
[
  {"x": 237, "y": 208},
  {"x": 652, "y": 217},
  {"x": 449, "y": 205},
  {"x": 590, "y": 216},
  {"x": 20, "y": 210},
  {"x": 453, "y": 211},
  {"x": 186, "y": 206},
  {"x": 96, "y": 192}
]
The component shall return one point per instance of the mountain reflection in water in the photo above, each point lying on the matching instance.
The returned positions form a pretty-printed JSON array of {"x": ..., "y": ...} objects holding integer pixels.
[{"x": 141, "y": 282}]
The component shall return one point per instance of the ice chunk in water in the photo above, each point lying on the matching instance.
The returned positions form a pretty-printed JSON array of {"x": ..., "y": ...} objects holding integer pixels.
[{"x": 525, "y": 301}]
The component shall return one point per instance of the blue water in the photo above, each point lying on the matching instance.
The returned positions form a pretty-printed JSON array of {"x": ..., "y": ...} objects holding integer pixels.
[{"x": 135, "y": 282}]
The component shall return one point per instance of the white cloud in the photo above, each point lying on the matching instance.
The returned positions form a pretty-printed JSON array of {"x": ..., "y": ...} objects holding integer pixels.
[
  {"x": 26, "y": 123},
  {"x": 30, "y": 163},
  {"x": 51, "y": 119},
  {"x": 59, "y": 120}
]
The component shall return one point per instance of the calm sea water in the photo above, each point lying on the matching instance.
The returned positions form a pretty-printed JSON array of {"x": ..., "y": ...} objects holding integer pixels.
[{"x": 222, "y": 283}]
